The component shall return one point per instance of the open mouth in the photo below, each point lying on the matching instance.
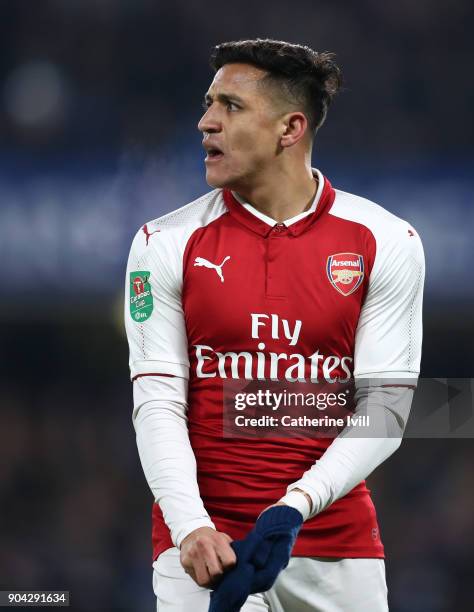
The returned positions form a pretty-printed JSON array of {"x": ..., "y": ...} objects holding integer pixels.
[{"x": 214, "y": 154}]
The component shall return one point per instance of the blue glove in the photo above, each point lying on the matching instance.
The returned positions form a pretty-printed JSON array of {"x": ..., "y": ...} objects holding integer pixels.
[
  {"x": 234, "y": 588},
  {"x": 260, "y": 558},
  {"x": 274, "y": 535}
]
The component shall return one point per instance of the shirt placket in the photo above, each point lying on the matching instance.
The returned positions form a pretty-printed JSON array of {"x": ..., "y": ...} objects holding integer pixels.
[{"x": 276, "y": 264}]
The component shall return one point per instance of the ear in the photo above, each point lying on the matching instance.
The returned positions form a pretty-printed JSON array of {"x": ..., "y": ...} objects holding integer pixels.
[{"x": 294, "y": 128}]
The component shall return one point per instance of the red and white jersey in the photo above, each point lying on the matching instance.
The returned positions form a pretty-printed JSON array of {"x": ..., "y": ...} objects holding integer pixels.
[{"x": 219, "y": 291}]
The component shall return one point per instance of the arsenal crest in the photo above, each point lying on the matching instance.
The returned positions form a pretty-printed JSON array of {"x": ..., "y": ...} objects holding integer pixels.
[{"x": 345, "y": 271}]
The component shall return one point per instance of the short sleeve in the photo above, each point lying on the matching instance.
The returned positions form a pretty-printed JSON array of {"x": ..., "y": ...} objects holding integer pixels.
[
  {"x": 389, "y": 332},
  {"x": 154, "y": 319}
]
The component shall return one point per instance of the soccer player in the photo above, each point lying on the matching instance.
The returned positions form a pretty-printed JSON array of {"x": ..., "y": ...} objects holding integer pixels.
[{"x": 272, "y": 275}]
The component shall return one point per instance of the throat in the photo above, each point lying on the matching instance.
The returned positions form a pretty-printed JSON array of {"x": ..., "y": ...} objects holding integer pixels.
[{"x": 278, "y": 208}]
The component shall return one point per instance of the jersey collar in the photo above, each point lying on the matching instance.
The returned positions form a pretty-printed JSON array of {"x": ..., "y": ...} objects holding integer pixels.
[{"x": 262, "y": 224}]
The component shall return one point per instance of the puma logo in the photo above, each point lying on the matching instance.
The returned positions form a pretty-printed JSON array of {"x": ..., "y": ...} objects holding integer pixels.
[
  {"x": 147, "y": 233},
  {"x": 200, "y": 261}
]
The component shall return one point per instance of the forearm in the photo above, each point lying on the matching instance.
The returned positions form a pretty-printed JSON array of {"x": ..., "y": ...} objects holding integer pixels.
[
  {"x": 166, "y": 455},
  {"x": 351, "y": 457}
]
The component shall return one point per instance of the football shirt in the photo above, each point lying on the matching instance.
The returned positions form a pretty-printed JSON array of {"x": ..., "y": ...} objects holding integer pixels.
[{"x": 217, "y": 291}]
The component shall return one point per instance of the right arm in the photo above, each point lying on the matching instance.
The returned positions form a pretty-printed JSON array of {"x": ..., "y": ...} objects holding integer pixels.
[
  {"x": 168, "y": 461},
  {"x": 160, "y": 369}
]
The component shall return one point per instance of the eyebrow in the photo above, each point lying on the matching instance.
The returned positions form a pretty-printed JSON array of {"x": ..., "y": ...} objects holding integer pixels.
[{"x": 223, "y": 97}]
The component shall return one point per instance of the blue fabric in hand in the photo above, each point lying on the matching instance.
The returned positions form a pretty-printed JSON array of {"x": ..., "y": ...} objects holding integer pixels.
[
  {"x": 234, "y": 588},
  {"x": 260, "y": 558},
  {"x": 277, "y": 529}
]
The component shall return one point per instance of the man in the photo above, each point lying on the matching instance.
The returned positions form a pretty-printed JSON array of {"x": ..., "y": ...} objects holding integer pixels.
[{"x": 274, "y": 274}]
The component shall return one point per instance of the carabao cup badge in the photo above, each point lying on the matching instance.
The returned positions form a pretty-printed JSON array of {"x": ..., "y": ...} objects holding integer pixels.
[
  {"x": 345, "y": 272},
  {"x": 141, "y": 298}
]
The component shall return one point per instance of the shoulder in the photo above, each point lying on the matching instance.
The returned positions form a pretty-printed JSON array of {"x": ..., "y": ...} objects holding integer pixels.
[
  {"x": 173, "y": 229},
  {"x": 395, "y": 238},
  {"x": 381, "y": 223},
  {"x": 198, "y": 213},
  {"x": 387, "y": 228}
]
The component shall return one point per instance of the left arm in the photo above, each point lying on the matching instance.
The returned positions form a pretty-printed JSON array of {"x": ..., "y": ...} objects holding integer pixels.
[
  {"x": 352, "y": 457},
  {"x": 387, "y": 363}
]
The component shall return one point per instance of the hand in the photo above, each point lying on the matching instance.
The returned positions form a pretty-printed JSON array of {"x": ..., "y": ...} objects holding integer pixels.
[
  {"x": 260, "y": 558},
  {"x": 272, "y": 540},
  {"x": 206, "y": 554}
]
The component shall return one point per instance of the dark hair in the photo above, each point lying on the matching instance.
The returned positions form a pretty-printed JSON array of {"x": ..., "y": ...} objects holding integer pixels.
[{"x": 307, "y": 78}]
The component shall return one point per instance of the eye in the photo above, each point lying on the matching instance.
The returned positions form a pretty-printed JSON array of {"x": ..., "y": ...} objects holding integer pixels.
[
  {"x": 206, "y": 104},
  {"x": 232, "y": 106}
]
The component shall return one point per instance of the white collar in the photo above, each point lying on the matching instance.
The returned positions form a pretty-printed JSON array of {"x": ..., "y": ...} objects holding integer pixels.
[{"x": 271, "y": 222}]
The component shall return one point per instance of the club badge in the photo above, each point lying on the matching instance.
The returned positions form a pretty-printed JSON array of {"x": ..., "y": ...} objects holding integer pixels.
[
  {"x": 141, "y": 298},
  {"x": 345, "y": 272}
]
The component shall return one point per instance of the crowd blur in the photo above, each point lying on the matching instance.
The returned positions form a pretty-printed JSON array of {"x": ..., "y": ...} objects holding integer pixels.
[
  {"x": 98, "y": 105},
  {"x": 100, "y": 73}
]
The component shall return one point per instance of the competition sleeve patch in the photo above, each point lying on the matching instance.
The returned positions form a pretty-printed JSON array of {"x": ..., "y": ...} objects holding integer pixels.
[{"x": 141, "y": 298}]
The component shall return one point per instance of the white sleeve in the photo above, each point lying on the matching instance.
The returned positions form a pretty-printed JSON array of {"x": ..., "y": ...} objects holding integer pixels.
[
  {"x": 168, "y": 461},
  {"x": 387, "y": 348},
  {"x": 389, "y": 332},
  {"x": 154, "y": 318},
  {"x": 156, "y": 333},
  {"x": 351, "y": 458}
]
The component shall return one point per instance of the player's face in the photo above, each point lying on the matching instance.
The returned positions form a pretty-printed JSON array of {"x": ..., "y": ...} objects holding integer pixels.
[{"x": 241, "y": 127}]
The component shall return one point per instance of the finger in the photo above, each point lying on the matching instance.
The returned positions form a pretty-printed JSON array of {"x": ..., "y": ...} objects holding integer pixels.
[
  {"x": 194, "y": 564},
  {"x": 190, "y": 572},
  {"x": 187, "y": 565},
  {"x": 227, "y": 556},
  {"x": 211, "y": 560},
  {"x": 208, "y": 561},
  {"x": 201, "y": 573}
]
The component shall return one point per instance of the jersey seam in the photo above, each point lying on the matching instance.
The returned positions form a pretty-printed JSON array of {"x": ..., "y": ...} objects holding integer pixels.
[{"x": 410, "y": 318}]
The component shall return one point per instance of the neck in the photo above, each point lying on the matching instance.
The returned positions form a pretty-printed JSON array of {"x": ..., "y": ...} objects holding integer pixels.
[{"x": 281, "y": 193}]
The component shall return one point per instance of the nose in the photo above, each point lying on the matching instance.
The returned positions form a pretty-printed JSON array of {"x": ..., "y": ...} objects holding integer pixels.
[{"x": 209, "y": 122}]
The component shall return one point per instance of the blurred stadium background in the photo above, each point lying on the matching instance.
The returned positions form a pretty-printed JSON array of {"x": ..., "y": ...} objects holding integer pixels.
[{"x": 99, "y": 100}]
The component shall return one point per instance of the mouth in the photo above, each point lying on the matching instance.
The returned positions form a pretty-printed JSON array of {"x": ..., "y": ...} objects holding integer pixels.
[{"x": 214, "y": 154}]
